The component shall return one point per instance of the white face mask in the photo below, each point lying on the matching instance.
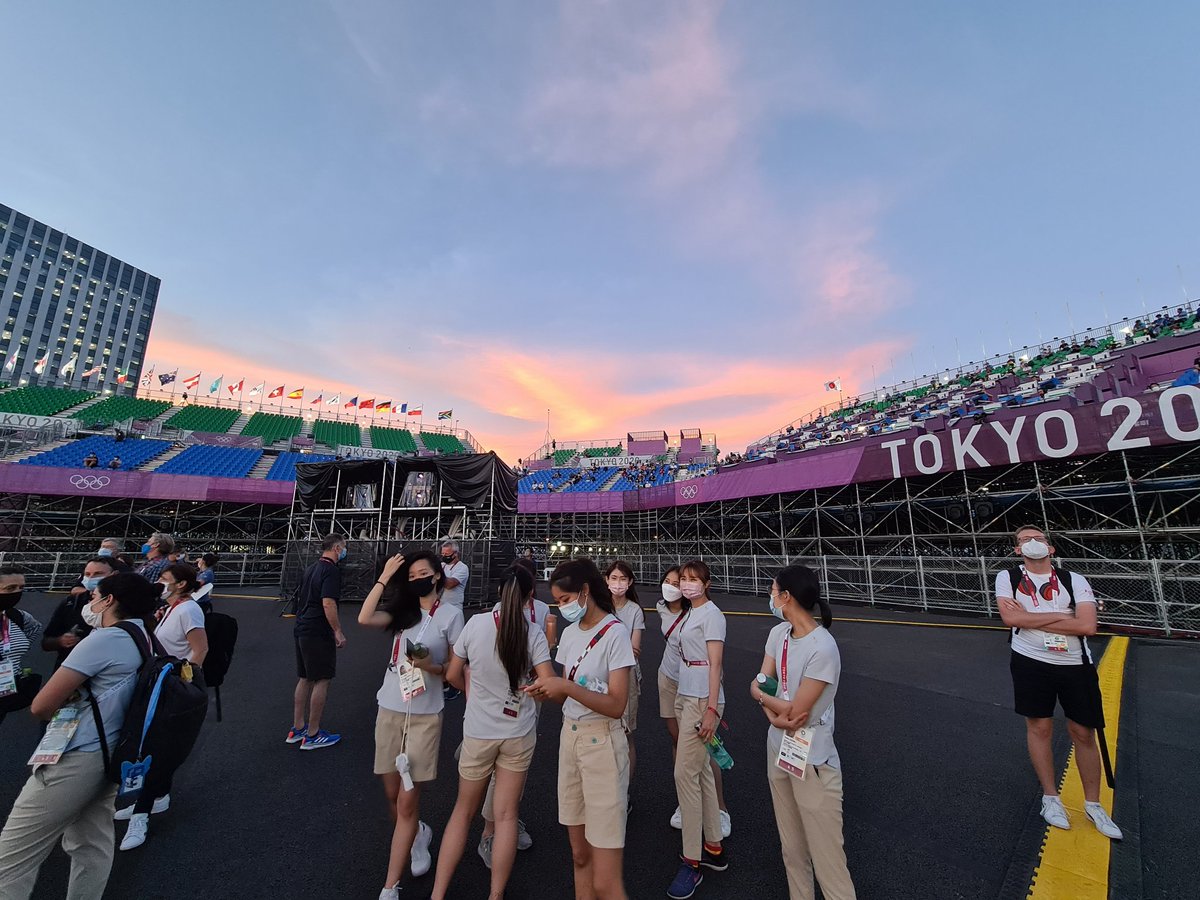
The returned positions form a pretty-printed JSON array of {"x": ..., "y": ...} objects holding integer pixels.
[
  {"x": 91, "y": 618},
  {"x": 670, "y": 593},
  {"x": 573, "y": 612},
  {"x": 1035, "y": 549},
  {"x": 166, "y": 592}
]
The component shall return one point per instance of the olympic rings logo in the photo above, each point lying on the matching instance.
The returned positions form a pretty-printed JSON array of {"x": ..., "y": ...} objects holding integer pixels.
[
  {"x": 688, "y": 491},
  {"x": 89, "y": 482}
]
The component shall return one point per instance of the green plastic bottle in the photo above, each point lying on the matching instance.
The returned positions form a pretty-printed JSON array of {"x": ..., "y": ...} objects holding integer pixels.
[{"x": 767, "y": 684}]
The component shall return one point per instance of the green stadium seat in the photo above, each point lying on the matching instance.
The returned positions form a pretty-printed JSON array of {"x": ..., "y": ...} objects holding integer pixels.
[
  {"x": 34, "y": 400},
  {"x": 211, "y": 419},
  {"x": 118, "y": 409},
  {"x": 398, "y": 439},
  {"x": 442, "y": 443},
  {"x": 331, "y": 434},
  {"x": 272, "y": 427},
  {"x": 561, "y": 456}
]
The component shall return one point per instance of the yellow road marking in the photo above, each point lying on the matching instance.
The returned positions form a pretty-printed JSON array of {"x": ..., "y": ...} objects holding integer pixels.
[
  {"x": 872, "y": 621},
  {"x": 1074, "y": 864}
]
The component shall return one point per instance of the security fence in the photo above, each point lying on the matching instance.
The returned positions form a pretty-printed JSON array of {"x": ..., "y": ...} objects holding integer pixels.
[{"x": 60, "y": 571}]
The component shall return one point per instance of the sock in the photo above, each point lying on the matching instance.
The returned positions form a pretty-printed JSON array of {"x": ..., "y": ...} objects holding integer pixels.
[
  {"x": 713, "y": 849},
  {"x": 694, "y": 863},
  {"x": 1092, "y": 804},
  {"x": 1049, "y": 796}
]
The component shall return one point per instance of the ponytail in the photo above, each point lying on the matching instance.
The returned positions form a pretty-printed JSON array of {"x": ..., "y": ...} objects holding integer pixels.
[
  {"x": 512, "y": 638},
  {"x": 805, "y": 587},
  {"x": 826, "y": 612}
]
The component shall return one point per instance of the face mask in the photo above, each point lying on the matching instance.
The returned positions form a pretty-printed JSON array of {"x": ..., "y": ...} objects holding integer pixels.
[
  {"x": 573, "y": 612},
  {"x": 618, "y": 590},
  {"x": 106, "y": 551},
  {"x": 693, "y": 590},
  {"x": 8, "y": 601},
  {"x": 91, "y": 618},
  {"x": 341, "y": 554},
  {"x": 448, "y": 559},
  {"x": 422, "y": 587},
  {"x": 145, "y": 549},
  {"x": 167, "y": 590},
  {"x": 671, "y": 594},
  {"x": 92, "y": 583},
  {"x": 1035, "y": 549}
]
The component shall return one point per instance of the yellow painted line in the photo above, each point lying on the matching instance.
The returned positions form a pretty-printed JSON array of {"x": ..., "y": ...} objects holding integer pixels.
[
  {"x": 1074, "y": 863},
  {"x": 873, "y": 621}
]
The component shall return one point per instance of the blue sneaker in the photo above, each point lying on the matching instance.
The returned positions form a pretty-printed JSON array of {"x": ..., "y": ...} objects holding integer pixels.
[
  {"x": 450, "y": 693},
  {"x": 296, "y": 735},
  {"x": 685, "y": 883},
  {"x": 319, "y": 740}
]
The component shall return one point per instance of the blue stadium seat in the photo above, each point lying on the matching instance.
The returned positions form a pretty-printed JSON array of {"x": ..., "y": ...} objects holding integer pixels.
[
  {"x": 134, "y": 452},
  {"x": 213, "y": 462},
  {"x": 284, "y": 467}
]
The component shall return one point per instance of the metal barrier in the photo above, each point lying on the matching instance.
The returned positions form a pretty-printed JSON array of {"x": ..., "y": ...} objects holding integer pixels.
[{"x": 60, "y": 571}]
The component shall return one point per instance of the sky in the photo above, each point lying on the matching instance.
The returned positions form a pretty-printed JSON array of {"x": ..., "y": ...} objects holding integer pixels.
[{"x": 621, "y": 216}]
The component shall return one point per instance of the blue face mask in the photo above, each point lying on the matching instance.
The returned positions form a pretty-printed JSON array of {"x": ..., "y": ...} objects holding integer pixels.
[
  {"x": 145, "y": 549},
  {"x": 92, "y": 583},
  {"x": 775, "y": 610},
  {"x": 341, "y": 554},
  {"x": 573, "y": 612},
  {"x": 105, "y": 551}
]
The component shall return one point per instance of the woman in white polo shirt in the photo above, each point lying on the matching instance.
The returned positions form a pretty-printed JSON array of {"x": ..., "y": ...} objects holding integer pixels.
[
  {"x": 406, "y": 600},
  {"x": 181, "y": 633},
  {"x": 500, "y": 725},
  {"x": 629, "y": 610},
  {"x": 806, "y": 789},
  {"x": 698, "y": 707},
  {"x": 593, "y": 756}
]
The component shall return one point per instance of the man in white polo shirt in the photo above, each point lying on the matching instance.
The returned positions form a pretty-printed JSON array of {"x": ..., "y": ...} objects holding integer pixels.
[
  {"x": 1051, "y": 613},
  {"x": 455, "y": 589}
]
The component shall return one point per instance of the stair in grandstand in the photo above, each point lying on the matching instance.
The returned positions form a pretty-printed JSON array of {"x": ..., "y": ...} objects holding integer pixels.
[
  {"x": 262, "y": 467},
  {"x": 74, "y": 411},
  {"x": 306, "y": 428},
  {"x": 34, "y": 451},
  {"x": 366, "y": 438},
  {"x": 239, "y": 423},
  {"x": 610, "y": 481},
  {"x": 155, "y": 425},
  {"x": 158, "y": 461}
]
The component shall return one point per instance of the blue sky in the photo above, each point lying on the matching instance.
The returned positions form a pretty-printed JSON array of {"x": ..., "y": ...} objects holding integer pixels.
[{"x": 639, "y": 216}]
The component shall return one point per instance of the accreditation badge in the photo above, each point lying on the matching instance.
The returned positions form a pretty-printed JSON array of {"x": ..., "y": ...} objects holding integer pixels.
[{"x": 794, "y": 750}]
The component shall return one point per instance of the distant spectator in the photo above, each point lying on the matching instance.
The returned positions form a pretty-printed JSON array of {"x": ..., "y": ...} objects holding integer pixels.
[
  {"x": 91, "y": 461},
  {"x": 114, "y": 463},
  {"x": 157, "y": 551},
  {"x": 1191, "y": 376}
]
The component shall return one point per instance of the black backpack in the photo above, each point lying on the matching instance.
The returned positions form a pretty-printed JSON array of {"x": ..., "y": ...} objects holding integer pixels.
[
  {"x": 222, "y": 631},
  {"x": 1064, "y": 575},
  {"x": 164, "y": 717}
]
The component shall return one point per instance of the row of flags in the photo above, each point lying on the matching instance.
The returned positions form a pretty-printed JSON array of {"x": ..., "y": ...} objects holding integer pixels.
[
  {"x": 65, "y": 369},
  {"x": 238, "y": 387}
]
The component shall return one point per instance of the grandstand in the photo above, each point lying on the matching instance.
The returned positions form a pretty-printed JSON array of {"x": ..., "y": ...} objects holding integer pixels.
[
  {"x": 35, "y": 400},
  {"x": 116, "y": 409},
  {"x": 398, "y": 439},
  {"x": 133, "y": 453},
  {"x": 213, "y": 462},
  {"x": 210, "y": 419},
  {"x": 271, "y": 427},
  {"x": 284, "y": 467},
  {"x": 442, "y": 442},
  {"x": 334, "y": 434}
]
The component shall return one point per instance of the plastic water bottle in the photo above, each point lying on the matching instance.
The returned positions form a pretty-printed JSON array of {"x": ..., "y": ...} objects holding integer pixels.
[
  {"x": 716, "y": 749},
  {"x": 767, "y": 684},
  {"x": 593, "y": 684}
]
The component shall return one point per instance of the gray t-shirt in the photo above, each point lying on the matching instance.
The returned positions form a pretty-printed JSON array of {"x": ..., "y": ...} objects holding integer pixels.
[
  {"x": 460, "y": 572},
  {"x": 813, "y": 656},
  {"x": 613, "y": 651},
  {"x": 485, "y": 717},
  {"x": 704, "y": 623},
  {"x": 110, "y": 659},
  {"x": 437, "y": 632}
]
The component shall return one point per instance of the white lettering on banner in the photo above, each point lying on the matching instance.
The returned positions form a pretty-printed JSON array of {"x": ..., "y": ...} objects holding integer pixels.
[
  {"x": 595, "y": 462},
  {"x": 962, "y": 447},
  {"x": 1068, "y": 424},
  {"x": 1010, "y": 438},
  {"x": 1166, "y": 408},
  {"x": 928, "y": 440},
  {"x": 893, "y": 447},
  {"x": 349, "y": 452},
  {"x": 1121, "y": 439},
  {"x": 19, "y": 420}
]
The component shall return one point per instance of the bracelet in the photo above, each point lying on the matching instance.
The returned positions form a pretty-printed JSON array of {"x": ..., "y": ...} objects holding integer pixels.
[
  {"x": 381, "y": 584},
  {"x": 714, "y": 712}
]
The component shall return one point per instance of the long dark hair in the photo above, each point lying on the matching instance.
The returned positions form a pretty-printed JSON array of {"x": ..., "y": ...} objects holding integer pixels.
[
  {"x": 621, "y": 566},
  {"x": 573, "y": 575},
  {"x": 512, "y": 638},
  {"x": 684, "y": 603},
  {"x": 805, "y": 587},
  {"x": 400, "y": 601}
]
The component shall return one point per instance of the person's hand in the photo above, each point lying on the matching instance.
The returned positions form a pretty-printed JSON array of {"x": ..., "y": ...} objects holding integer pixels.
[
  {"x": 1008, "y": 604},
  {"x": 339, "y": 639},
  {"x": 756, "y": 693},
  {"x": 391, "y": 567},
  {"x": 425, "y": 662},
  {"x": 68, "y": 640},
  {"x": 708, "y": 725},
  {"x": 552, "y": 688}
]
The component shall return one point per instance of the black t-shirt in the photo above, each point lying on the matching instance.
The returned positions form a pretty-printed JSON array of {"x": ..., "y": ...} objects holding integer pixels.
[
  {"x": 68, "y": 617},
  {"x": 322, "y": 579}
]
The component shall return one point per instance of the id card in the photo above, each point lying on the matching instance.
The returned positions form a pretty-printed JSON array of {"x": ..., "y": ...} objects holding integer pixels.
[
  {"x": 794, "y": 750},
  {"x": 58, "y": 735},
  {"x": 1055, "y": 643},
  {"x": 412, "y": 680},
  {"x": 512, "y": 704},
  {"x": 8, "y": 678},
  {"x": 133, "y": 777}
]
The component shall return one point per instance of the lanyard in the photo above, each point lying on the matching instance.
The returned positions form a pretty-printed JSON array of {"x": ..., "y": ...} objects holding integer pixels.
[
  {"x": 690, "y": 662},
  {"x": 787, "y": 639},
  {"x": 5, "y": 640},
  {"x": 588, "y": 649},
  {"x": 420, "y": 634},
  {"x": 678, "y": 621},
  {"x": 532, "y": 614},
  {"x": 1052, "y": 585}
]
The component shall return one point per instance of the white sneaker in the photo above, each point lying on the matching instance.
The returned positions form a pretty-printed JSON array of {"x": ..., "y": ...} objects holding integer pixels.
[
  {"x": 677, "y": 819},
  {"x": 139, "y": 824},
  {"x": 1105, "y": 825},
  {"x": 421, "y": 859},
  {"x": 524, "y": 839},
  {"x": 726, "y": 825},
  {"x": 1055, "y": 813},
  {"x": 485, "y": 850},
  {"x": 161, "y": 805},
  {"x": 392, "y": 893}
]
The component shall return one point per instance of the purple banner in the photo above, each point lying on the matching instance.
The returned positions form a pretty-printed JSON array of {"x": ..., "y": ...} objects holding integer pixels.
[
  {"x": 18, "y": 479},
  {"x": 1022, "y": 435},
  {"x": 226, "y": 440},
  {"x": 300, "y": 441}
]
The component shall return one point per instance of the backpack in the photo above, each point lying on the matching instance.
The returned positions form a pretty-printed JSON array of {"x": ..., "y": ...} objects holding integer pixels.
[
  {"x": 1064, "y": 576},
  {"x": 163, "y": 721},
  {"x": 222, "y": 631}
]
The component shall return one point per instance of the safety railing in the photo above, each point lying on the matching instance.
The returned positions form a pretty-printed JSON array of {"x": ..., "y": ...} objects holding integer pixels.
[{"x": 61, "y": 571}]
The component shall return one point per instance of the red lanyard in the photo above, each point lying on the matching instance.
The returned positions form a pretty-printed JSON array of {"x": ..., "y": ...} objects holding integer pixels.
[
  {"x": 1027, "y": 584},
  {"x": 690, "y": 662},
  {"x": 588, "y": 649},
  {"x": 4, "y": 639},
  {"x": 787, "y": 639},
  {"x": 532, "y": 613},
  {"x": 420, "y": 634},
  {"x": 678, "y": 619}
]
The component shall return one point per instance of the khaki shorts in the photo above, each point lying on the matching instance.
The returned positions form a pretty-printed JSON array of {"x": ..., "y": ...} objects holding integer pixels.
[
  {"x": 479, "y": 758},
  {"x": 593, "y": 779},
  {"x": 424, "y": 738},
  {"x": 629, "y": 717},
  {"x": 667, "y": 691}
]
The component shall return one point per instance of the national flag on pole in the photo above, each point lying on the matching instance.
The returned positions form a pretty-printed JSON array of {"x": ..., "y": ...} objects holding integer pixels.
[
  {"x": 278, "y": 392},
  {"x": 11, "y": 364},
  {"x": 236, "y": 388},
  {"x": 367, "y": 404},
  {"x": 68, "y": 367},
  {"x": 258, "y": 389},
  {"x": 216, "y": 385},
  {"x": 94, "y": 370},
  {"x": 835, "y": 385},
  {"x": 166, "y": 378},
  {"x": 351, "y": 403},
  {"x": 320, "y": 397},
  {"x": 335, "y": 399},
  {"x": 122, "y": 377},
  {"x": 192, "y": 383},
  {"x": 297, "y": 394},
  {"x": 148, "y": 377},
  {"x": 40, "y": 366},
  {"x": 384, "y": 406},
  {"x": 415, "y": 411},
  {"x": 445, "y": 415}
]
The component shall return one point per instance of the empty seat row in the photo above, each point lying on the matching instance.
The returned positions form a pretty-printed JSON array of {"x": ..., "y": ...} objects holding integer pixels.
[
  {"x": 133, "y": 452},
  {"x": 214, "y": 462}
]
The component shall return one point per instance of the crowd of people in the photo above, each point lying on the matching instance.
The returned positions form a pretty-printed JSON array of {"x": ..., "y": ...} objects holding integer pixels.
[{"x": 509, "y": 660}]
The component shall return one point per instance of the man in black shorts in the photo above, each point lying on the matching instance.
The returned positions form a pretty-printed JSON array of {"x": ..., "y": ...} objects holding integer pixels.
[
  {"x": 1051, "y": 614},
  {"x": 318, "y": 638}
]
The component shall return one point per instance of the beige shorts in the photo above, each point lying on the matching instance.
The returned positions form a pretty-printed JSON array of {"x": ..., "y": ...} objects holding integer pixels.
[
  {"x": 667, "y": 691},
  {"x": 424, "y": 738},
  {"x": 480, "y": 758},
  {"x": 629, "y": 717},
  {"x": 593, "y": 779}
]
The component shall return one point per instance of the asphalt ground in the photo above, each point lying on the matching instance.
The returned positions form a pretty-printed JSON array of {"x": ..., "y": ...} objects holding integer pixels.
[{"x": 940, "y": 800}]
